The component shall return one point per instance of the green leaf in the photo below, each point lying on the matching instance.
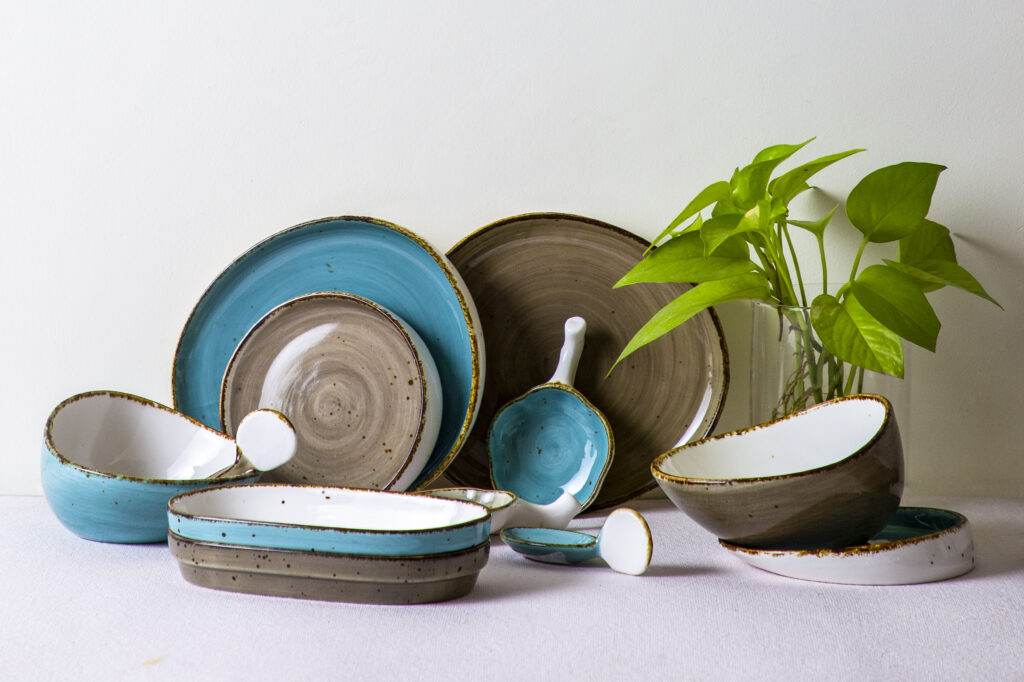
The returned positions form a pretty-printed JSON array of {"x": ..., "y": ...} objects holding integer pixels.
[
  {"x": 816, "y": 227},
  {"x": 890, "y": 203},
  {"x": 694, "y": 226},
  {"x": 750, "y": 183},
  {"x": 718, "y": 230},
  {"x": 709, "y": 195},
  {"x": 779, "y": 152},
  {"x": 725, "y": 207},
  {"x": 935, "y": 274},
  {"x": 750, "y": 286},
  {"x": 930, "y": 241},
  {"x": 681, "y": 259},
  {"x": 852, "y": 335},
  {"x": 793, "y": 182},
  {"x": 894, "y": 299}
]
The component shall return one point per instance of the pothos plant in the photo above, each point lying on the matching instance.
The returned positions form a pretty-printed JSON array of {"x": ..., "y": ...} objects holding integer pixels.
[{"x": 734, "y": 242}]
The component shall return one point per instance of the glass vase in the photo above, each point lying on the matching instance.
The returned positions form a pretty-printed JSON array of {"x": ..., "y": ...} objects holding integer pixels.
[{"x": 790, "y": 370}]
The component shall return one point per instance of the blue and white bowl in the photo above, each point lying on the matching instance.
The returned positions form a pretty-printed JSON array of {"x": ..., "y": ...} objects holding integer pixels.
[{"x": 105, "y": 462}]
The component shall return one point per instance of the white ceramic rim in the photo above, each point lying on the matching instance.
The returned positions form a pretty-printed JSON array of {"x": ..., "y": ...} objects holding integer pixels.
[
  {"x": 63, "y": 459},
  {"x": 658, "y": 473},
  {"x": 482, "y": 513}
]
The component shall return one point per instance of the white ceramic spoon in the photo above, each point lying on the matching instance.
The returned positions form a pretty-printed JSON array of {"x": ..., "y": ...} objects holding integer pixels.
[
  {"x": 624, "y": 543},
  {"x": 551, "y": 447},
  {"x": 265, "y": 440}
]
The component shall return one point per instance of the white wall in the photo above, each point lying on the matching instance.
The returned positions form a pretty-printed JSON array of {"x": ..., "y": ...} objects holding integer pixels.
[{"x": 145, "y": 145}]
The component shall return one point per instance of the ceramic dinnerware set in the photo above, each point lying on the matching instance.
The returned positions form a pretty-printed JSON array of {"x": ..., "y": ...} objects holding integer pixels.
[{"x": 331, "y": 373}]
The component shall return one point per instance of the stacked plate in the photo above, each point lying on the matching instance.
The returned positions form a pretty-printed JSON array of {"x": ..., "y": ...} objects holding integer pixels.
[
  {"x": 328, "y": 543},
  {"x": 355, "y": 329}
]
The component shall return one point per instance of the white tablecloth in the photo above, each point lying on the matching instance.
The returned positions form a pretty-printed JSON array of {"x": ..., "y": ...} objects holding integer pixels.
[{"x": 74, "y": 610}]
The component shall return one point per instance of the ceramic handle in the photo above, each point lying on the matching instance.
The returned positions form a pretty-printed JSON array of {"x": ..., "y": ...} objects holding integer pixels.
[
  {"x": 625, "y": 542},
  {"x": 572, "y": 348},
  {"x": 555, "y": 514},
  {"x": 266, "y": 438}
]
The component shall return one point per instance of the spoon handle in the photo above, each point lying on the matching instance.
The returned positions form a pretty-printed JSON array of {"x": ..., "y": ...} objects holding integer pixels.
[{"x": 572, "y": 348}]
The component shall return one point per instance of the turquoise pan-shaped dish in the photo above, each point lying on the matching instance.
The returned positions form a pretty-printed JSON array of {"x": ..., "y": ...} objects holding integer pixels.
[{"x": 384, "y": 263}]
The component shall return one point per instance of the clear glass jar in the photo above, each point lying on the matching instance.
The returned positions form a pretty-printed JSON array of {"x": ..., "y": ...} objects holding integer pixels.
[{"x": 789, "y": 369}]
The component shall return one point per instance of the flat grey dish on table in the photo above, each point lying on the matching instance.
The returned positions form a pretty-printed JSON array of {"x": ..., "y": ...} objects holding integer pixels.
[
  {"x": 328, "y": 576},
  {"x": 527, "y": 275},
  {"x": 356, "y": 382}
]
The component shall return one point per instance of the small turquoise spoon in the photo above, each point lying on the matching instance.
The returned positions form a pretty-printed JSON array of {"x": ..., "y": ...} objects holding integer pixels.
[{"x": 624, "y": 543}]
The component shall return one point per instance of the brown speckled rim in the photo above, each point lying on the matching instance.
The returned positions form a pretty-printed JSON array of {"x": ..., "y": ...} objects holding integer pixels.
[
  {"x": 647, "y": 529},
  {"x": 559, "y": 386},
  {"x": 512, "y": 497},
  {"x": 684, "y": 480},
  {"x": 176, "y": 500},
  {"x": 860, "y": 550},
  {"x": 383, "y": 313},
  {"x": 716, "y": 410},
  {"x": 469, "y": 313},
  {"x": 48, "y": 441}
]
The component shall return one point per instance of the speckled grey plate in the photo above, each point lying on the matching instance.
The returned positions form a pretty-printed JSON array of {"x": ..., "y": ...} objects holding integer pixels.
[
  {"x": 527, "y": 275},
  {"x": 329, "y": 577},
  {"x": 355, "y": 381}
]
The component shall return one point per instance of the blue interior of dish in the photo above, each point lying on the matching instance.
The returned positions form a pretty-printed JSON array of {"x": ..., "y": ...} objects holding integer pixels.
[
  {"x": 361, "y": 257},
  {"x": 549, "y": 536},
  {"x": 552, "y": 546},
  {"x": 549, "y": 442},
  {"x": 912, "y": 522}
]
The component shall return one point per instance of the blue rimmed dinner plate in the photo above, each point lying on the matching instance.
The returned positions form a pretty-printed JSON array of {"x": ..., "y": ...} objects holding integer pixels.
[{"x": 371, "y": 258}]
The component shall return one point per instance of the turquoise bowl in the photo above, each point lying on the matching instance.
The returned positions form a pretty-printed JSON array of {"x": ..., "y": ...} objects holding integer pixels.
[
  {"x": 329, "y": 519},
  {"x": 549, "y": 442},
  {"x": 371, "y": 258},
  {"x": 102, "y": 456}
]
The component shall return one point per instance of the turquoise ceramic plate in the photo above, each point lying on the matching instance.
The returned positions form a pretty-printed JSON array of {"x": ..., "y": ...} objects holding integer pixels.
[{"x": 370, "y": 258}]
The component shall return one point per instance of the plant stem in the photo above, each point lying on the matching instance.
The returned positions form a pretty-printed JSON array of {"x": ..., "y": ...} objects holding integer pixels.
[
  {"x": 856, "y": 261},
  {"x": 796, "y": 262},
  {"x": 849, "y": 381},
  {"x": 824, "y": 265}
]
